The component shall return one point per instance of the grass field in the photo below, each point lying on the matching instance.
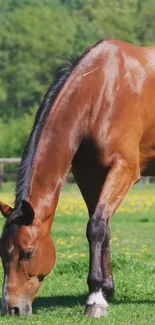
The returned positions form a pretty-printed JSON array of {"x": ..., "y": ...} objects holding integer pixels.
[{"x": 63, "y": 294}]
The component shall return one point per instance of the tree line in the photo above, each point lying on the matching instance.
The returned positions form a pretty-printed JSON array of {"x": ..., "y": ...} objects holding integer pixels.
[{"x": 38, "y": 35}]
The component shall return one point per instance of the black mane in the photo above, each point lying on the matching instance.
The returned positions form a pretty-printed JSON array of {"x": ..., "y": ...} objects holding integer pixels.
[{"x": 24, "y": 173}]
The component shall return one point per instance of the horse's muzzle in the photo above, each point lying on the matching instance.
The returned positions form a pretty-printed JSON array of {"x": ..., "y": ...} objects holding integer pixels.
[{"x": 17, "y": 310}]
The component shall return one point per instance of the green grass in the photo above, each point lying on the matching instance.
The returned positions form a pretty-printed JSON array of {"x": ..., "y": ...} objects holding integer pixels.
[{"x": 62, "y": 296}]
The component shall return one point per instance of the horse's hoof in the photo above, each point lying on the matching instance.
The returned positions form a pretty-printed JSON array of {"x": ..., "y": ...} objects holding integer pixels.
[{"x": 95, "y": 311}]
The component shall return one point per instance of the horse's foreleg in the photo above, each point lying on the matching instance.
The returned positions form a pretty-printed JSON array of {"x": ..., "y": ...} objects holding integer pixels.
[{"x": 118, "y": 182}]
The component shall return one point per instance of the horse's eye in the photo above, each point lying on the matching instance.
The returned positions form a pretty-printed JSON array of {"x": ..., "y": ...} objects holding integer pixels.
[
  {"x": 25, "y": 255},
  {"x": 28, "y": 255}
]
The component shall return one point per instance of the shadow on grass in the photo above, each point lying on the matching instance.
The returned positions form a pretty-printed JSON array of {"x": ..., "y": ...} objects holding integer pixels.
[
  {"x": 58, "y": 301},
  {"x": 71, "y": 301}
]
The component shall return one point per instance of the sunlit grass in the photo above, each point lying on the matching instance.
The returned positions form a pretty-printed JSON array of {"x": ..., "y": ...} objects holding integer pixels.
[{"x": 63, "y": 294}]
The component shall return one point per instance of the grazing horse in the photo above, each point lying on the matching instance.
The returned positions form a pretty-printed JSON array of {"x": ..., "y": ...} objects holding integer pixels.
[{"x": 97, "y": 118}]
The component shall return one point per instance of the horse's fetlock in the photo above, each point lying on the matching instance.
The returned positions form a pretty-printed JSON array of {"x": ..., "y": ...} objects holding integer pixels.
[
  {"x": 108, "y": 288},
  {"x": 95, "y": 281}
]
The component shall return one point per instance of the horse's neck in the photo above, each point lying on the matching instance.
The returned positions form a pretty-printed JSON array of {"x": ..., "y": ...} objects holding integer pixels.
[{"x": 59, "y": 141}]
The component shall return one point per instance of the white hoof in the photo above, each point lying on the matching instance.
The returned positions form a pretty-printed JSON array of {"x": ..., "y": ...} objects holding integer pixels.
[
  {"x": 95, "y": 311},
  {"x": 96, "y": 305}
]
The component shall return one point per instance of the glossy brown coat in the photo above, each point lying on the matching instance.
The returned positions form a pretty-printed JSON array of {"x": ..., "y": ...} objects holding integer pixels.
[{"x": 102, "y": 124}]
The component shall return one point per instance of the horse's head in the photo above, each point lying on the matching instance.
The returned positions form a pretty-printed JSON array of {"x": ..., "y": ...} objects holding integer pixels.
[{"x": 28, "y": 254}]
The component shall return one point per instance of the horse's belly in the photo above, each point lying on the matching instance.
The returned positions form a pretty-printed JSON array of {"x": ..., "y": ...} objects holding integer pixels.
[
  {"x": 147, "y": 153},
  {"x": 147, "y": 161},
  {"x": 149, "y": 168}
]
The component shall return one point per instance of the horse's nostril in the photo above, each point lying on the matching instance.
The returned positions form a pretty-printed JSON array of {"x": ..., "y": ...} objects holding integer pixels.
[{"x": 15, "y": 311}]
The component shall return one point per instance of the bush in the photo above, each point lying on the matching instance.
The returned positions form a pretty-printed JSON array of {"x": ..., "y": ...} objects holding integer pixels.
[{"x": 14, "y": 135}]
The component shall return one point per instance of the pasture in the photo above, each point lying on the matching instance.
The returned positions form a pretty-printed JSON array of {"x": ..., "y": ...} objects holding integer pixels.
[{"x": 63, "y": 294}]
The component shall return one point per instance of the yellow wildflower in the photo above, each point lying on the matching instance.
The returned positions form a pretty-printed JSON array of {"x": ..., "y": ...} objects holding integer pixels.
[{"x": 144, "y": 250}]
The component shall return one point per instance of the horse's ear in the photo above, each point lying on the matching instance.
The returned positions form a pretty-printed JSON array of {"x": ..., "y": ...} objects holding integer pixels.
[
  {"x": 27, "y": 213},
  {"x": 5, "y": 209}
]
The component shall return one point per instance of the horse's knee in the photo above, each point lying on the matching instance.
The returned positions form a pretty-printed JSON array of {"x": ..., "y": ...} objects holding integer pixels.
[{"x": 96, "y": 230}]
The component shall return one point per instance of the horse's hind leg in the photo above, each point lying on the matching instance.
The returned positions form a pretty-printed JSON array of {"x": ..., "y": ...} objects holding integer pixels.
[{"x": 108, "y": 282}]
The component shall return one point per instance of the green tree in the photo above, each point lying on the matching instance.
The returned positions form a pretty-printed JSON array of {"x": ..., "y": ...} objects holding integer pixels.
[
  {"x": 37, "y": 35},
  {"x": 146, "y": 30},
  {"x": 103, "y": 19},
  {"x": 33, "y": 41}
]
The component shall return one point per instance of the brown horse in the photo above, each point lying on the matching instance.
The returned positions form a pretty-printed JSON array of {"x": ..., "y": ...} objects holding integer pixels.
[{"x": 98, "y": 117}]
